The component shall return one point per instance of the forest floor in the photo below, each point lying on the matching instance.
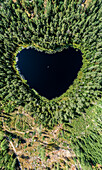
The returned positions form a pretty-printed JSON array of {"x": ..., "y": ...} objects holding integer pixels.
[
  {"x": 45, "y": 2},
  {"x": 86, "y": 3},
  {"x": 14, "y": 1},
  {"x": 38, "y": 147}
]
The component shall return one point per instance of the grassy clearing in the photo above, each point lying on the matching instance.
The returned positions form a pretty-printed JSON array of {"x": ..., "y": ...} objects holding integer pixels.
[{"x": 37, "y": 146}]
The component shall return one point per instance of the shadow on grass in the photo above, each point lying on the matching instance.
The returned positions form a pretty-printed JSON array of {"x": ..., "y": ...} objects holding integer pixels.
[
  {"x": 67, "y": 131},
  {"x": 52, "y": 145},
  {"x": 24, "y": 157},
  {"x": 11, "y": 135}
]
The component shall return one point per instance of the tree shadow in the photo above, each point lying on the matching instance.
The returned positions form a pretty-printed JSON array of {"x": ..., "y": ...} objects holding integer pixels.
[
  {"x": 24, "y": 157},
  {"x": 46, "y": 137},
  {"x": 67, "y": 131},
  {"x": 53, "y": 145},
  {"x": 14, "y": 136}
]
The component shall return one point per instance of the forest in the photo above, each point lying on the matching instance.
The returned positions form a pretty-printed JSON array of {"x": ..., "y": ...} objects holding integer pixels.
[{"x": 51, "y": 26}]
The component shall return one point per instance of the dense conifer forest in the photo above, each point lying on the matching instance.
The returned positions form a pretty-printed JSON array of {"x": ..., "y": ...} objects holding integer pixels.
[{"x": 51, "y": 26}]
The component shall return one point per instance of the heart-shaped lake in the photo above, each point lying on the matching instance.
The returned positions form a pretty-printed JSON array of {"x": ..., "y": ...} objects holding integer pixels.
[{"x": 49, "y": 74}]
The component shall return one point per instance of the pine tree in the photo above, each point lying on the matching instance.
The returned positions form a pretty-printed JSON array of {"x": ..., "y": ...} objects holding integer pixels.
[{"x": 4, "y": 145}]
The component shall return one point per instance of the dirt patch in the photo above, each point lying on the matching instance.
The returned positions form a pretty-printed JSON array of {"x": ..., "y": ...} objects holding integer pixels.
[
  {"x": 45, "y": 3},
  {"x": 14, "y": 1},
  {"x": 43, "y": 147},
  {"x": 86, "y": 3}
]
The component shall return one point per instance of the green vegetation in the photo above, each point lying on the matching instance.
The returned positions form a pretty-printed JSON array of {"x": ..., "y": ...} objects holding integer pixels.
[
  {"x": 7, "y": 161},
  {"x": 69, "y": 24},
  {"x": 86, "y": 136},
  {"x": 51, "y": 26}
]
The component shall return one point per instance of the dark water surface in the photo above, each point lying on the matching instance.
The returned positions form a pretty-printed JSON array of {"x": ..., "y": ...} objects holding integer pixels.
[{"x": 49, "y": 74}]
